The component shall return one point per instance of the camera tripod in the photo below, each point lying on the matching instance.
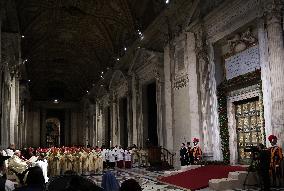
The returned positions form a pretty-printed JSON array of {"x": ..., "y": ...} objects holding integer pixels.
[{"x": 251, "y": 170}]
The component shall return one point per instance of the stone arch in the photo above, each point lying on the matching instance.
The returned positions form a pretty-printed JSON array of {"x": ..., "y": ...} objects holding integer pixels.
[{"x": 118, "y": 83}]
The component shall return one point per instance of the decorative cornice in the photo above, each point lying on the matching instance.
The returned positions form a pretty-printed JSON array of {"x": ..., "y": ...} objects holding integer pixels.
[{"x": 273, "y": 11}]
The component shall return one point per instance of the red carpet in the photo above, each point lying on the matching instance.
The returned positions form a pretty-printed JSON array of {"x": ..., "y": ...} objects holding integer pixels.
[{"x": 198, "y": 178}]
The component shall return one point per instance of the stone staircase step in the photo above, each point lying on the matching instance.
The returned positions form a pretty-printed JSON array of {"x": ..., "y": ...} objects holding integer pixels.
[{"x": 235, "y": 180}]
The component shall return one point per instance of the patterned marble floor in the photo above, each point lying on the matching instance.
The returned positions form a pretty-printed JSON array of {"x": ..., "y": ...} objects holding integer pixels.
[{"x": 148, "y": 180}]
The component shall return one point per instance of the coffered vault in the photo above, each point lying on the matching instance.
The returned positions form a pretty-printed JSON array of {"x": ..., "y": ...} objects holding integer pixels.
[{"x": 69, "y": 42}]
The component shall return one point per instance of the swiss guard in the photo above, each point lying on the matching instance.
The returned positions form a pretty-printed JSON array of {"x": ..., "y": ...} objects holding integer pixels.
[
  {"x": 275, "y": 160},
  {"x": 196, "y": 151}
]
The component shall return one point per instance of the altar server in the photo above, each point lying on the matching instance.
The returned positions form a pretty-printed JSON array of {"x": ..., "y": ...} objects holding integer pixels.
[
  {"x": 120, "y": 156},
  {"x": 104, "y": 157},
  {"x": 111, "y": 158},
  {"x": 127, "y": 158}
]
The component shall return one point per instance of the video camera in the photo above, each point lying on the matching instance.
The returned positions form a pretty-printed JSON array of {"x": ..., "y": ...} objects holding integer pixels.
[{"x": 253, "y": 149}]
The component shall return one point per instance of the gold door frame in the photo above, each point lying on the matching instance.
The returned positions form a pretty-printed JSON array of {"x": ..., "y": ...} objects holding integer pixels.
[{"x": 249, "y": 126}]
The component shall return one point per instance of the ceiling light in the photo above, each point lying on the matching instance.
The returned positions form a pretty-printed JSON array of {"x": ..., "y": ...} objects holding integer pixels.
[
  {"x": 167, "y": 1},
  {"x": 55, "y": 101},
  {"x": 87, "y": 91},
  {"x": 117, "y": 59},
  {"x": 125, "y": 48},
  {"x": 23, "y": 36},
  {"x": 102, "y": 72},
  {"x": 102, "y": 85},
  {"x": 29, "y": 80}
]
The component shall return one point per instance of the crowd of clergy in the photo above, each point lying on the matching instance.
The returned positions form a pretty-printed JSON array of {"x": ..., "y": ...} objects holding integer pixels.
[{"x": 124, "y": 158}]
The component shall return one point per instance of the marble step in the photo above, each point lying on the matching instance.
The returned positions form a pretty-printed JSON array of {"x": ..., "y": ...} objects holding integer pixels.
[
  {"x": 235, "y": 180},
  {"x": 182, "y": 169},
  {"x": 223, "y": 184}
]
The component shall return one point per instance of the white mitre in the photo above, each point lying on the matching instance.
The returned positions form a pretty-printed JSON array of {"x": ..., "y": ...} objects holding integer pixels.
[{"x": 9, "y": 152}]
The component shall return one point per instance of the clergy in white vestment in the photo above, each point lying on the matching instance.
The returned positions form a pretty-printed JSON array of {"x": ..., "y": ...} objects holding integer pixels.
[
  {"x": 127, "y": 158},
  {"x": 120, "y": 157},
  {"x": 43, "y": 164},
  {"x": 104, "y": 153},
  {"x": 10, "y": 150},
  {"x": 17, "y": 165},
  {"x": 111, "y": 158}
]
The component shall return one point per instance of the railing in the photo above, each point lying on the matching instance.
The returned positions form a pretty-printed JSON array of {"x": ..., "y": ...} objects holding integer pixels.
[{"x": 167, "y": 156}]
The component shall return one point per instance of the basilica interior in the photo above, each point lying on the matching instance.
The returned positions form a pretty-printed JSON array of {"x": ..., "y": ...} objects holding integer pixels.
[{"x": 158, "y": 72}]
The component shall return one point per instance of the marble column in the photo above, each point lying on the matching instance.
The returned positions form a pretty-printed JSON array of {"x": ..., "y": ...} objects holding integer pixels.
[
  {"x": 159, "y": 100},
  {"x": 193, "y": 86},
  {"x": 134, "y": 109},
  {"x": 114, "y": 121},
  {"x": 129, "y": 119},
  {"x": 12, "y": 110},
  {"x": 5, "y": 110},
  {"x": 168, "y": 94},
  {"x": 265, "y": 75},
  {"x": 99, "y": 124},
  {"x": 275, "y": 58}
]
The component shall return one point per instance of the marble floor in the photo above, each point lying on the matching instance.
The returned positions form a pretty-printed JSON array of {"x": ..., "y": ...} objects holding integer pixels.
[{"x": 149, "y": 181}]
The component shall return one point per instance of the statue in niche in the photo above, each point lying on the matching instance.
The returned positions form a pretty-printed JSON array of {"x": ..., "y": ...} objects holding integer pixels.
[
  {"x": 248, "y": 38},
  {"x": 236, "y": 45}
]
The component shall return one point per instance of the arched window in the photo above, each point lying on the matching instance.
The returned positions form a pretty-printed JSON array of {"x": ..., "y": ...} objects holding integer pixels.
[{"x": 52, "y": 132}]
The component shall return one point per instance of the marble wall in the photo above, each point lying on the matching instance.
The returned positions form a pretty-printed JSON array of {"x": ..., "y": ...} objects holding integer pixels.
[
  {"x": 186, "y": 73},
  {"x": 191, "y": 71}
]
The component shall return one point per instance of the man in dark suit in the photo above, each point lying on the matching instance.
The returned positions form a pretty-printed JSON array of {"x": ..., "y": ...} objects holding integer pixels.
[{"x": 183, "y": 155}]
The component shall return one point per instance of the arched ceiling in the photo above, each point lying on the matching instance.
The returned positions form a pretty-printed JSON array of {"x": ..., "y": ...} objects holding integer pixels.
[{"x": 69, "y": 42}]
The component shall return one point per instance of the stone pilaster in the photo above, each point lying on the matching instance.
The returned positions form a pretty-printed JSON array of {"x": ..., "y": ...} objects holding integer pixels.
[
  {"x": 43, "y": 128},
  {"x": 193, "y": 86},
  {"x": 135, "y": 108},
  {"x": 275, "y": 59},
  {"x": 168, "y": 94},
  {"x": 202, "y": 55},
  {"x": 129, "y": 112},
  {"x": 67, "y": 127},
  {"x": 160, "y": 106}
]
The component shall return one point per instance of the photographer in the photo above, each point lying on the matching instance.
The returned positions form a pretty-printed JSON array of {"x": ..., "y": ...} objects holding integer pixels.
[
  {"x": 263, "y": 166},
  {"x": 260, "y": 163}
]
